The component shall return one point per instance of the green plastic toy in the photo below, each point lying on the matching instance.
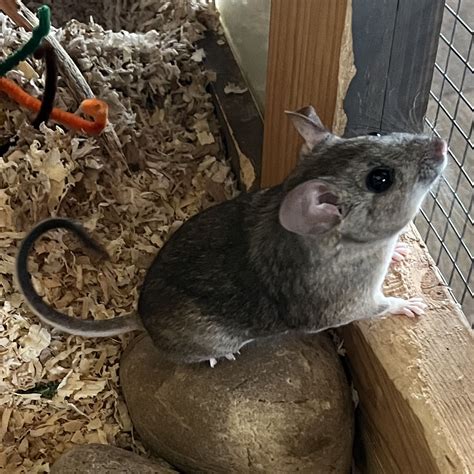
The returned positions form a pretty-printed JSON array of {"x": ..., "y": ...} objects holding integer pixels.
[{"x": 42, "y": 30}]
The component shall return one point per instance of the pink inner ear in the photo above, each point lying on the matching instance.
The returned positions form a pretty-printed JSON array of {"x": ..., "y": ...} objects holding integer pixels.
[
  {"x": 311, "y": 129},
  {"x": 309, "y": 209}
]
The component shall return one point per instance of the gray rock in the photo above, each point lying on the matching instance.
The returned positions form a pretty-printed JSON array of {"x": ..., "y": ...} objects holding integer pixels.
[
  {"x": 283, "y": 406},
  {"x": 104, "y": 459}
]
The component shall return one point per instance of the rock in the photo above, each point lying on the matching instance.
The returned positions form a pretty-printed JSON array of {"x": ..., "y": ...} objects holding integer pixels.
[
  {"x": 104, "y": 459},
  {"x": 283, "y": 406}
]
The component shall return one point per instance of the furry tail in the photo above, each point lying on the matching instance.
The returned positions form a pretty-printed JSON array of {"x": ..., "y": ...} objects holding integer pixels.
[{"x": 47, "y": 314}]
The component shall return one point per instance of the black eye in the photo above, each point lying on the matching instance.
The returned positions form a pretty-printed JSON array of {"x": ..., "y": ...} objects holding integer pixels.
[{"x": 379, "y": 180}]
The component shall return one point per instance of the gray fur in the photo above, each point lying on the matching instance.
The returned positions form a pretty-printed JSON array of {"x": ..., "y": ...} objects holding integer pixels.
[{"x": 233, "y": 273}]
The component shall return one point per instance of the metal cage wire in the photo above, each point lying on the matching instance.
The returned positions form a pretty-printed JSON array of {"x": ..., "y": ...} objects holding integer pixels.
[{"x": 446, "y": 219}]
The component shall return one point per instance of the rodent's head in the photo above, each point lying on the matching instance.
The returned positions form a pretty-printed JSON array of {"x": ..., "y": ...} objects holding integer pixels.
[{"x": 367, "y": 187}]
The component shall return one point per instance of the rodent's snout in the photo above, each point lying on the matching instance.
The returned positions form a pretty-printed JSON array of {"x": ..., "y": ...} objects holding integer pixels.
[
  {"x": 439, "y": 156},
  {"x": 440, "y": 148},
  {"x": 435, "y": 160}
]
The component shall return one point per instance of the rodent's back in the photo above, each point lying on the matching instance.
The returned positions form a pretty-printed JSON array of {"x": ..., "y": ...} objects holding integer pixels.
[{"x": 207, "y": 264}]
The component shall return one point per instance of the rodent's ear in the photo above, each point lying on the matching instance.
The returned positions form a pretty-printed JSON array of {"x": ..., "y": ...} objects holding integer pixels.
[
  {"x": 309, "y": 209},
  {"x": 309, "y": 126}
]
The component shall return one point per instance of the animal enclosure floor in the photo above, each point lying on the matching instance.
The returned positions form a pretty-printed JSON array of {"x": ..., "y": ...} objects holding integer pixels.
[{"x": 57, "y": 390}]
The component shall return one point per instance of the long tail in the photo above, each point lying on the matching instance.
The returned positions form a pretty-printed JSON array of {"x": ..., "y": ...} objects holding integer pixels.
[{"x": 47, "y": 314}]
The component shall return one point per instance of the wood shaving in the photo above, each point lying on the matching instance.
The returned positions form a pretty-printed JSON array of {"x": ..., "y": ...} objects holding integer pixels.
[
  {"x": 57, "y": 390},
  {"x": 247, "y": 171},
  {"x": 232, "y": 88},
  {"x": 198, "y": 55}
]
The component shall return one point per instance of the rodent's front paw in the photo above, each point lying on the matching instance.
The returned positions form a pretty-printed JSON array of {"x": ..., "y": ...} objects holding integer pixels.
[
  {"x": 400, "y": 251},
  {"x": 230, "y": 356},
  {"x": 412, "y": 307}
]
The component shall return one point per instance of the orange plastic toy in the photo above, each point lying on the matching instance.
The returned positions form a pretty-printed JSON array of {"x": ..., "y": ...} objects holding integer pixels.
[{"x": 96, "y": 108}]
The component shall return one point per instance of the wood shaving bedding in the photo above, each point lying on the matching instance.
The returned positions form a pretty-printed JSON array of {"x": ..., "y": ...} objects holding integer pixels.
[{"x": 58, "y": 390}]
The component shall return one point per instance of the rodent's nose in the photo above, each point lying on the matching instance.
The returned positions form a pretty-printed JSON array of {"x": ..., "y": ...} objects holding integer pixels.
[{"x": 440, "y": 148}]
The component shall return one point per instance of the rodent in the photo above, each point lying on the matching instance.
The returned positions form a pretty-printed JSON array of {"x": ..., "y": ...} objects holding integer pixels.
[{"x": 306, "y": 255}]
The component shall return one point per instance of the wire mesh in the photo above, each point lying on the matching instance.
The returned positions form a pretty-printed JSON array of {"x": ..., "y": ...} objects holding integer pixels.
[{"x": 446, "y": 220}]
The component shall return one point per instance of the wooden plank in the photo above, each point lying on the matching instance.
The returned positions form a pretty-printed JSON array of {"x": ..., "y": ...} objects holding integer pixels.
[
  {"x": 415, "y": 43},
  {"x": 373, "y": 23},
  {"x": 415, "y": 378},
  {"x": 391, "y": 88},
  {"x": 305, "y": 48},
  {"x": 238, "y": 115}
]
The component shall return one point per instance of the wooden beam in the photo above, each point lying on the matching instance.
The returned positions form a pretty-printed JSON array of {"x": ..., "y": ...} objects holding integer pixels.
[
  {"x": 307, "y": 44},
  {"x": 415, "y": 379},
  {"x": 415, "y": 43},
  {"x": 364, "y": 102},
  {"x": 390, "y": 90}
]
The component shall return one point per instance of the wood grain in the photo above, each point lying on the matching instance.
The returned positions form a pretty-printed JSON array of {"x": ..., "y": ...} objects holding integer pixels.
[
  {"x": 373, "y": 23},
  {"x": 390, "y": 91},
  {"x": 303, "y": 68},
  {"x": 412, "y": 58},
  {"x": 415, "y": 378}
]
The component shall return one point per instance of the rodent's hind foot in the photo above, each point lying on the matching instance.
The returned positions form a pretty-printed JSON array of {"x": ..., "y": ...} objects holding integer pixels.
[
  {"x": 412, "y": 307},
  {"x": 230, "y": 356},
  {"x": 400, "y": 251}
]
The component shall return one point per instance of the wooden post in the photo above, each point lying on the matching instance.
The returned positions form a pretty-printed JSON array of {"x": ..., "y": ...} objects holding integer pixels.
[
  {"x": 415, "y": 379},
  {"x": 306, "y": 48},
  {"x": 395, "y": 44}
]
